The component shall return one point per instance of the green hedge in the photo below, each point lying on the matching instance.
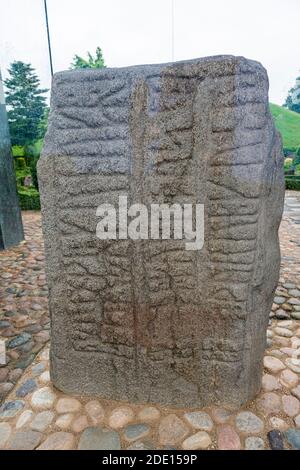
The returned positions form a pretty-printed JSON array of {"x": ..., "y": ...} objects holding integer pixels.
[
  {"x": 292, "y": 182},
  {"x": 29, "y": 199}
]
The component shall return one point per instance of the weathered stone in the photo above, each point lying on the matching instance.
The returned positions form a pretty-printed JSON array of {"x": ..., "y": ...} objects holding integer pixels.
[
  {"x": 26, "y": 388},
  {"x": 254, "y": 443},
  {"x": 43, "y": 398},
  {"x": 11, "y": 229},
  {"x": 95, "y": 411},
  {"x": 18, "y": 340},
  {"x": 42, "y": 420},
  {"x": 64, "y": 421},
  {"x": 149, "y": 413},
  {"x": 283, "y": 332},
  {"x": 248, "y": 422},
  {"x": 5, "y": 430},
  {"x": 24, "y": 418},
  {"x": 58, "y": 441},
  {"x": 200, "y": 440},
  {"x": 269, "y": 383},
  {"x": 156, "y": 134},
  {"x": 221, "y": 415},
  {"x": 293, "y": 437},
  {"x": 25, "y": 440},
  {"x": 291, "y": 405},
  {"x": 269, "y": 403},
  {"x": 293, "y": 364},
  {"x": 278, "y": 423},
  {"x": 68, "y": 405},
  {"x": 288, "y": 378},
  {"x": 5, "y": 388},
  {"x": 44, "y": 378},
  {"x": 136, "y": 431},
  {"x": 120, "y": 417},
  {"x": 80, "y": 423},
  {"x": 296, "y": 391},
  {"x": 142, "y": 445},
  {"x": 199, "y": 420},
  {"x": 11, "y": 408},
  {"x": 172, "y": 430},
  {"x": 297, "y": 421},
  {"x": 38, "y": 368},
  {"x": 275, "y": 440},
  {"x": 99, "y": 439},
  {"x": 272, "y": 364},
  {"x": 227, "y": 438}
]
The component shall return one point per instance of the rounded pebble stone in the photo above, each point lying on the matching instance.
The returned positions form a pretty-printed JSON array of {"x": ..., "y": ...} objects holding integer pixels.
[
  {"x": 278, "y": 423},
  {"x": 288, "y": 378},
  {"x": 199, "y": 420},
  {"x": 172, "y": 430},
  {"x": 43, "y": 398},
  {"x": 68, "y": 405},
  {"x": 270, "y": 383},
  {"x": 80, "y": 424},
  {"x": 291, "y": 405},
  {"x": 200, "y": 440},
  {"x": 44, "y": 377},
  {"x": 248, "y": 422},
  {"x": 42, "y": 421},
  {"x": 25, "y": 440},
  {"x": 272, "y": 364},
  {"x": 254, "y": 443},
  {"x": 227, "y": 438},
  {"x": 95, "y": 411},
  {"x": 64, "y": 421},
  {"x": 98, "y": 438},
  {"x": 11, "y": 408},
  {"x": 27, "y": 387},
  {"x": 132, "y": 432},
  {"x": 269, "y": 403},
  {"x": 5, "y": 430},
  {"x": 24, "y": 418},
  {"x": 293, "y": 364},
  {"x": 58, "y": 441},
  {"x": 221, "y": 415},
  {"x": 149, "y": 413},
  {"x": 120, "y": 417},
  {"x": 296, "y": 391},
  {"x": 283, "y": 332}
]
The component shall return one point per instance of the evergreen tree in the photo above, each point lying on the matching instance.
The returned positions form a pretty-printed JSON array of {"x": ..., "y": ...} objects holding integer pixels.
[
  {"x": 26, "y": 105},
  {"x": 91, "y": 62},
  {"x": 293, "y": 99}
]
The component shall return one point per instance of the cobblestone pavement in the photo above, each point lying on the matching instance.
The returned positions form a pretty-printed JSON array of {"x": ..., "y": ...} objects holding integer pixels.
[{"x": 34, "y": 415}]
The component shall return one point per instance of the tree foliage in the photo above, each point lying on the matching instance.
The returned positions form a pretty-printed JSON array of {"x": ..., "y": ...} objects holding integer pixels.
[
  {"x": 91, "y": 62},
  {"x": 26, "y": 104},
  {"x": 293, "y": 99}
]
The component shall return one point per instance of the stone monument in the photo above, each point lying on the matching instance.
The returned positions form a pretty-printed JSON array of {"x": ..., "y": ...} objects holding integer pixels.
[
  {"x": 11, "y": 228},
  {"x": 149, "y": 320}
]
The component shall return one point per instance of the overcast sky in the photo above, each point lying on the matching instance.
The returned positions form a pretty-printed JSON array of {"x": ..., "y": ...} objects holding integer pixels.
[{"x": 139, "y": 31}]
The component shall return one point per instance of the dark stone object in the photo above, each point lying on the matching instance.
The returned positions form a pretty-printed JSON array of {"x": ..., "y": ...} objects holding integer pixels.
[
  {"x": 11, "y": 228},
  {"x": 276, "y": 440},
  {"x": 149, "y": 320}
]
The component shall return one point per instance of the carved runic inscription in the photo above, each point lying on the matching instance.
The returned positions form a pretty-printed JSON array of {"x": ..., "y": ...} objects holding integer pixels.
[{"x": 148, "y": 320}]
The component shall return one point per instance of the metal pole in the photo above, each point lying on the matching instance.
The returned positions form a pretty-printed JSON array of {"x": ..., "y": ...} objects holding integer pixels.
[{"x": 48, "y": 36}]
